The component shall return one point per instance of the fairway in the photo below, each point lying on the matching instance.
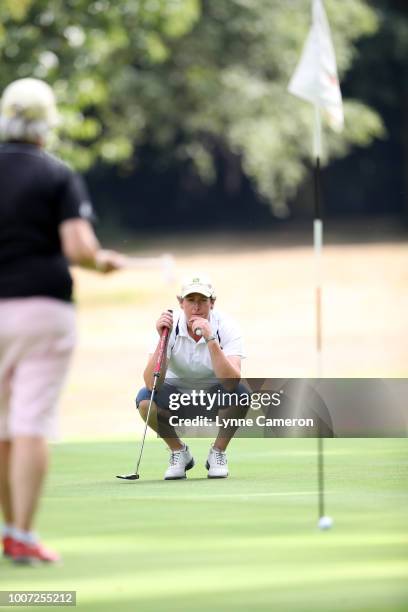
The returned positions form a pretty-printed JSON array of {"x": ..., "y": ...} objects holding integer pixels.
[{"x": 249, "y": 542}]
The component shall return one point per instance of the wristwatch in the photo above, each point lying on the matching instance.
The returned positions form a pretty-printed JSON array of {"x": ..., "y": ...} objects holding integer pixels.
[{"x": 213, "y": 337}]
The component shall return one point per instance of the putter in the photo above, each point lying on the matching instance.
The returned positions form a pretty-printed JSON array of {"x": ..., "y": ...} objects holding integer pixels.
[{"x": 156, "y": 374}]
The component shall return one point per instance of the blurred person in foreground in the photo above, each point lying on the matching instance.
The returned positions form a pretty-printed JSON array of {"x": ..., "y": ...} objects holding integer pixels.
[
  {"x": 211, "y": 358},
  {"x": 45, "y": 216}
]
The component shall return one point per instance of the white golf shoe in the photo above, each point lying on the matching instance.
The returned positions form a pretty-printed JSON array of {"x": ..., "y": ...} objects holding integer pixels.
[
  {"x": 217, "y": 464},
  {"x": 180, "y": 461}
]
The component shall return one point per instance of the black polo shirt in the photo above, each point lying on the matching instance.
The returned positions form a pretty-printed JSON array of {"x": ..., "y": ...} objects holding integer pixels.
[{"x": 37, "y": 193}]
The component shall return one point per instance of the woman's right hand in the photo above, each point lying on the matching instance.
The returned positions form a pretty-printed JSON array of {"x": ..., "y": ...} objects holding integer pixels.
[
  {"x": 109, "y": 261},
  {"x": 165, "y": 320}
]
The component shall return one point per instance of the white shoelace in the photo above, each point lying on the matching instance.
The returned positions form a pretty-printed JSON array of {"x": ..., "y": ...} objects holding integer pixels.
[
  {"x": 220, "y": 457},
  {"x": 176, "y": 457}
]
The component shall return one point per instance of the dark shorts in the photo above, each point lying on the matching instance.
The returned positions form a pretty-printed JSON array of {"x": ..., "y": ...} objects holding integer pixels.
[{"x": 166, "y": 393}]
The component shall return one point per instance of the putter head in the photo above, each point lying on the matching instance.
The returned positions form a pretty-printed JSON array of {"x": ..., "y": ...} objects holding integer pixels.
[{"x": 128, "y": 476}]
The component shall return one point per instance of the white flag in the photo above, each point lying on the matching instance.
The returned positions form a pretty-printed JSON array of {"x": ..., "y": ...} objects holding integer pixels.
[{"x": 315, "y": 78}]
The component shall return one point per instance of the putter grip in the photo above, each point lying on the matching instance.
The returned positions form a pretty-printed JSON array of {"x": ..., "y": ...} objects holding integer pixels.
[{"x": 162, "y": 349}]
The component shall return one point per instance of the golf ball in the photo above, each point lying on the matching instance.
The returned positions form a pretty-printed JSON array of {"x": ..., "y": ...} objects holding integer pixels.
[{"x": 325, "y": 522}]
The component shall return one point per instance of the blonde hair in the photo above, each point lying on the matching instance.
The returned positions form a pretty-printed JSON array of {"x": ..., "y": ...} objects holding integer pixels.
[{"x": 17, "y": 128}]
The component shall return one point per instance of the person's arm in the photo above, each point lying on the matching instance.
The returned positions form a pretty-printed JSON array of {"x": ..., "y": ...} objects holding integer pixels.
[
  {"x": 81, "y": 247},
  {"x": 75, "y": 213},
  {"x": 165, "y": 320},
  {"x": 224, "y": 366}
]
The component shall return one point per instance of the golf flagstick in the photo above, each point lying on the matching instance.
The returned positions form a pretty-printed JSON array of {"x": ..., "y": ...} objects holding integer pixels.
[
  {"x": 315, "y": 80},
  {"x": 156, "y": 375},
  {"x": 323, "y": 521}
]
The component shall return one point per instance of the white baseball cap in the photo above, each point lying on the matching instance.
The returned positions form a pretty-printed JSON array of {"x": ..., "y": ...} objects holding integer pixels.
[
  {"x": 30, "y": 100},
  {"x": 197, "y": 283}
]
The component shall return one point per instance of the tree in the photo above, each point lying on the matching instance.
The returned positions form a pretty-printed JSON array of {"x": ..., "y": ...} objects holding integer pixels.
[{"x": 192, "y": 78}]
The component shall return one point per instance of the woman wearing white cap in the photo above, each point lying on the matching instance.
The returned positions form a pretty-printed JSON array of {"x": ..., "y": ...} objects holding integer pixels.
[
  {"x": 45, "y": 217},
  {"x": 205, "y": 346}
]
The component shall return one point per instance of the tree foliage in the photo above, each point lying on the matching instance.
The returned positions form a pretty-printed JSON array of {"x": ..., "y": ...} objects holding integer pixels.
[{"x": 187, "y": 76}]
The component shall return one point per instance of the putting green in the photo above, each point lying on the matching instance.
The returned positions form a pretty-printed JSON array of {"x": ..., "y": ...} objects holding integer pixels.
[{"x": 249, "y": 542}]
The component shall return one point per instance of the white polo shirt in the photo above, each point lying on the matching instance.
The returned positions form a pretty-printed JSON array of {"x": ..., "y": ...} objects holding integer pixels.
[{"x": 191, "y": 360}]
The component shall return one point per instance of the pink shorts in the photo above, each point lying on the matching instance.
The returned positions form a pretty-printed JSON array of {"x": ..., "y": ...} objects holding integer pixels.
[{"x": 37, "y": 337}]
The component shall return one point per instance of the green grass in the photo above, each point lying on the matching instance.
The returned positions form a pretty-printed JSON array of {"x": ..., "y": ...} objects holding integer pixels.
[{"x": 246, "y": 543}]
